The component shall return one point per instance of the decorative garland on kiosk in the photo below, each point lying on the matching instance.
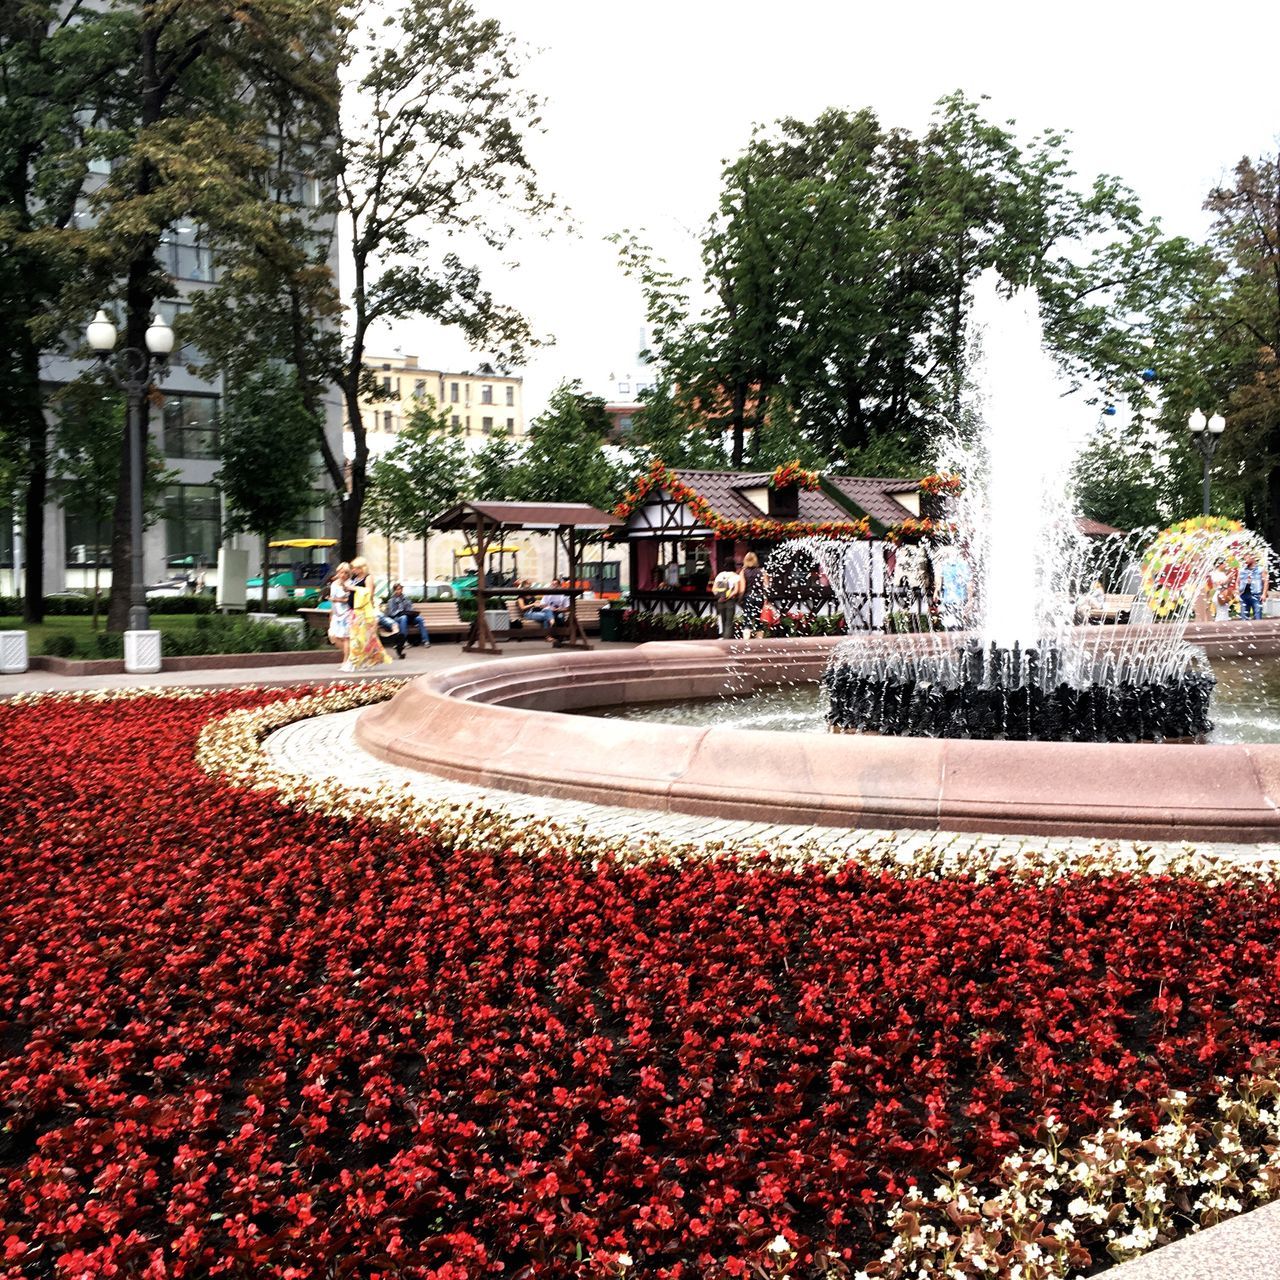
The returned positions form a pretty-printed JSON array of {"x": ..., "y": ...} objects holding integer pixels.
[
  {"x": 762, "y": 528},
  {"x": 792, "y": 473}
]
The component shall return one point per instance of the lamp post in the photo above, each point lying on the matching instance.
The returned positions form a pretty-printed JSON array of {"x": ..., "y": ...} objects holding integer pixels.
[
  {"x": 1206, "y": 432},
  {"x": 134, "y": 379}
]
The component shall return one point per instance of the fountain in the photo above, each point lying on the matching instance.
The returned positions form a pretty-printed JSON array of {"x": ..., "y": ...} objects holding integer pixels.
[{"x": 944, "y": 705}]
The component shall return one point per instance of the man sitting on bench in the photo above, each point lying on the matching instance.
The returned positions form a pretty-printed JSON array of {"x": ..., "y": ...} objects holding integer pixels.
[
  {"x": 553, "y": 609},
  {"x": 400, "y": 615}
]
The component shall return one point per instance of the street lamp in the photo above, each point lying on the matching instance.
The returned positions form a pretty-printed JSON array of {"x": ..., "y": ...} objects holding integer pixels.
[
  {"x": 1206, "y": 432},
  {"x": 133, "y": 377}
]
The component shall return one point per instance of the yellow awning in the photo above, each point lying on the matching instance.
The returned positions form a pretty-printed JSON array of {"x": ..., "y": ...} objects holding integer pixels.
[
  {"x": 489, "y": 551},
  {"x": 305, "y": 543}
]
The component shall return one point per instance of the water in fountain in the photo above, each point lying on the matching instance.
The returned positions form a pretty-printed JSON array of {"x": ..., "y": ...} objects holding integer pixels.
[{"x": 1023, "y": 669}]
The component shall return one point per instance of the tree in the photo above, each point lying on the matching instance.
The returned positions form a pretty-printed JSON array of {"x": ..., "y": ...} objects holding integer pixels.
[
  {"x": 496, "y": 469},
  {"x": 431, "y": 154},
  {"x": 188, "y": 141},
  {"x": 662, "y": 429},
  {"x": 424, "y": 473},
  {"x": 267, "y": 476},
  {"x": 564, "y": 460},
  {"x": 52, "y": 62}
]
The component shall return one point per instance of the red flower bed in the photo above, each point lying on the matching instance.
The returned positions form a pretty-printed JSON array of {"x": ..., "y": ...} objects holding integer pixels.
[{"x": 240, "y": 1039}]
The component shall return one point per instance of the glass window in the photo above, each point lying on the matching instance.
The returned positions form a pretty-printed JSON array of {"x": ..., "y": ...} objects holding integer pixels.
[
  {"x": 487, "y": 424},
  {"x": 624, "y": 388},
  {"x": 183, "y": 256},
  {"x": 511, "y": 395},
  {"x": 192, "y": 522},
  {"x": 455, "y": 421},
  {"x": 190, "y": 426},
  {"x": 386, "y": 383},
  {"x": 453, "y": 393},
  {"x": 486, "y": 394},
  {"x": 511, "y": 425},
  {"x": 419, "y": 388},
  {"x": 386, "y": 420},
  {"x": 88, "y": 539}
]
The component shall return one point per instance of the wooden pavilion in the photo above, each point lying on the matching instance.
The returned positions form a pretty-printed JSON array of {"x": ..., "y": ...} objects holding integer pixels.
[{"x": 488, "y": 524}]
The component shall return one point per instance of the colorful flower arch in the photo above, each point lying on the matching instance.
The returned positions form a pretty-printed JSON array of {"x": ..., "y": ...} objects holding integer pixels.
[{"x": 1177, "y": 557}]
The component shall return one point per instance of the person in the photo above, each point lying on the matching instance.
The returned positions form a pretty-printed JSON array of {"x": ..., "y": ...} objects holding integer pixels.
[
  {"x": 340, "y": 612},
  {"x": 753, "y": 591},
  {"x": 953, "y": 591},
  {"x": 364, "y": 649},
  {"x": 1094, "y": 601},
  {"x": 1253, "y": 587},
  {"x": 549, "y": 612},
  {"x": 726, "y": 589},
  {"x": 1222, "y": 589},
  {"x": 399, "y": 616},
  {"x": 524, "y": 603}
]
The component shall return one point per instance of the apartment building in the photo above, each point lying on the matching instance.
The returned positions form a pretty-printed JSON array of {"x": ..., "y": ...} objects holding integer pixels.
[{"x": 480, "y": 404}]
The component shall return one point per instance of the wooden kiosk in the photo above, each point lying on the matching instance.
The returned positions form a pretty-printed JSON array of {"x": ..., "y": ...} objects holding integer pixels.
[{"x": 573, "y": 524}]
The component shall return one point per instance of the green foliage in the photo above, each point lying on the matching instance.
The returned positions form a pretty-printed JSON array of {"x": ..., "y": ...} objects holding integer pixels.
[
  {"x": 564, "y": 460},
  {"x": 663, "y": 429},
  {"x": 496, "y": 469},
  {"x": 1136, "y": 478},
  {"x": 424, "y": 473}
]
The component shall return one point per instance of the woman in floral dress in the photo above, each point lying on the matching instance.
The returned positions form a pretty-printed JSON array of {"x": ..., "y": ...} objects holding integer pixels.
[{"x": 365, "y": 650}]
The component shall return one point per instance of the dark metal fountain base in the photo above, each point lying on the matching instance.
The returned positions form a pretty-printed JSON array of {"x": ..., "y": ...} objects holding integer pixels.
[{"x": 1013, "y": 695}]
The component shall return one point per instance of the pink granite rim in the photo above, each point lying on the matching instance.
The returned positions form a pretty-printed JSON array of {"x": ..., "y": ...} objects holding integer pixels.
[{"x": 504, "y": 724}]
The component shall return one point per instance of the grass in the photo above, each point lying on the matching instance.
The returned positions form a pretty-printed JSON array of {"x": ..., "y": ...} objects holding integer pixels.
[{"x": 81, "y": 629}]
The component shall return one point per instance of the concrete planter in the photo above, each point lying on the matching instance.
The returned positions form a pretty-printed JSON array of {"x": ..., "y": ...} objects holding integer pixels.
[
  {"x": 13, "y": 652},
  {"x": 498, "y": 620},
  {"x": 141, "y": 652}
]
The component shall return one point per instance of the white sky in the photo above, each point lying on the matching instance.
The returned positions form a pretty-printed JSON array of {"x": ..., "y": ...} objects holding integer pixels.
[{"x": 644, "y": 102}]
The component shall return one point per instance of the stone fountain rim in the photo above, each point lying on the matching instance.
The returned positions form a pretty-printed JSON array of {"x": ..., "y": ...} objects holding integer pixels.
[{"x": 503, "y": 724}]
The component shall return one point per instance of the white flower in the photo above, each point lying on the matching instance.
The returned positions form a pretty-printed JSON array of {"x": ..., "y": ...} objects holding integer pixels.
[
  {"x": 779, "y": 1244},
  {"x": 624, "y": 1260}
]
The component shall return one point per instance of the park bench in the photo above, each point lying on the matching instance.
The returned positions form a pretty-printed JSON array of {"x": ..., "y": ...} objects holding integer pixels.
[
  {"x": 440, "y": 616},
  {"x": 1115, "y": 608},
  {"x": 588, "y": 612}
]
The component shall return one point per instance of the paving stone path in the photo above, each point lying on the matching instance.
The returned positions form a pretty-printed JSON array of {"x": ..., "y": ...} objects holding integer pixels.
[{"x": 325, "y": 747}]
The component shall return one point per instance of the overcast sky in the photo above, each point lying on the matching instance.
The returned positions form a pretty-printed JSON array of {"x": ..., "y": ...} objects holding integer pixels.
[{"x": 644, "y": 102}]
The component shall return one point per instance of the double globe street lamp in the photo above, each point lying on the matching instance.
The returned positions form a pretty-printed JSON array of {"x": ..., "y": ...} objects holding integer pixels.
[
  {"x": 134, "y": 377},
  {"x": 1206, "y": 432}
]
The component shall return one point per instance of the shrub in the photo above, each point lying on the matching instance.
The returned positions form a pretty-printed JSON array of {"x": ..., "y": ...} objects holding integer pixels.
[
  {"x": 58, "y": 646},
  {"x": 645, "y": 625}
]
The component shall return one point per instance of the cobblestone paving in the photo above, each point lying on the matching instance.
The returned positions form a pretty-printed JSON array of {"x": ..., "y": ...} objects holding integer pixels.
[{"x": 325, "y": 747}]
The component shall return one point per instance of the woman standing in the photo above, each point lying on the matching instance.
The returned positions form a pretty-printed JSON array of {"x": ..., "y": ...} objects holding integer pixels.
[
  {"x": 365, "y": 650},
  {"x": 340, "y": 611},
  {"x": 752, "y": 592}
]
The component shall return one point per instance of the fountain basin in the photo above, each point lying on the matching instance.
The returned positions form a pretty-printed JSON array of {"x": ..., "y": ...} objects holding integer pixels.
[{"x": 502, "y": 724}]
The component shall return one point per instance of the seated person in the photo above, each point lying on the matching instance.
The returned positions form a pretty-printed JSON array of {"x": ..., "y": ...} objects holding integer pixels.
[
  {"x": 1092, "y": 603},
  {"x": 398, "y": 616},
  {"x": 553, "y": 608},
  {"x": 525, "y": 602}
]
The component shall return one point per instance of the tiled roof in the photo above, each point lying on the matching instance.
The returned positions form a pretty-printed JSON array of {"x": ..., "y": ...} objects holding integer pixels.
[
  {"x": 874, "y": 495},
  {"x": 725, "y": 492},
  {"x": 1095, "y": 528}
]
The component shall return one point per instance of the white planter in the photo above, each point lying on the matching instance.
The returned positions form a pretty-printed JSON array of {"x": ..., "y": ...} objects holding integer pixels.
[
  {"x": 142, "y": 652},
  {"x": 498, "y": 619},
  {"x": 13, "y": 652}
]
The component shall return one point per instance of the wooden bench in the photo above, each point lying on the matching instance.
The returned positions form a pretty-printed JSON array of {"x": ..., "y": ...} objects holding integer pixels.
[
  {"x": 588, "y": 612},
  {"x": 1115, "y": 608},
  {"x": 440, "y": 616}
]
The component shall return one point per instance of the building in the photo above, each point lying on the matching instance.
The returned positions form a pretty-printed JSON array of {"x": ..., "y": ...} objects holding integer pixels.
[
  {"x": 480, "y": 404},
  {"x": 184, "y": 425}
]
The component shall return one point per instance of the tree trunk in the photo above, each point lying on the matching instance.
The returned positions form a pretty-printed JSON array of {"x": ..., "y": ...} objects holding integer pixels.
[
  {"x": 738, "y": 422},
  {"x": 426, "y": 571},
  {"x": 37, "y": 477},
  {"x": 266, "y": 568}
]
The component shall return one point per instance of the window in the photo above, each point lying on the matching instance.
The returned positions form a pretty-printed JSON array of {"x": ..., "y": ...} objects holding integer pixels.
[
  {"x": 419, "y": 388},
  {"x": 190, "y": 426},
  {"x": 313, "y": 525},
  {"x": 511, "y": 426},
  {"x": 486, "y": 394},
  {"x": 192, "y": 522},
  {"x": 487, "y": 424},
  {"x": 511, "y": 395},
  {"x": 186, "y": 353},
  {"x": 183, "y": 256},
  {"x": 455, "y": 421},
  {"x": 453, "y": 393},
  {"x": 624, "y": 388},
  {"x": 88, "y": 538},
  {"x": 386, "y": 383},
  {"x": 386, "y": 420},
  {"x": 625, "y": 425}
]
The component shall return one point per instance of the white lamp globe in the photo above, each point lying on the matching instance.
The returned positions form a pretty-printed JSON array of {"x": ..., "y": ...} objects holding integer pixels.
[
  {"x": 101, "y": 333},
  {"x": 159, "y": 337},
  {"x": 1217, "y": 424}
]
